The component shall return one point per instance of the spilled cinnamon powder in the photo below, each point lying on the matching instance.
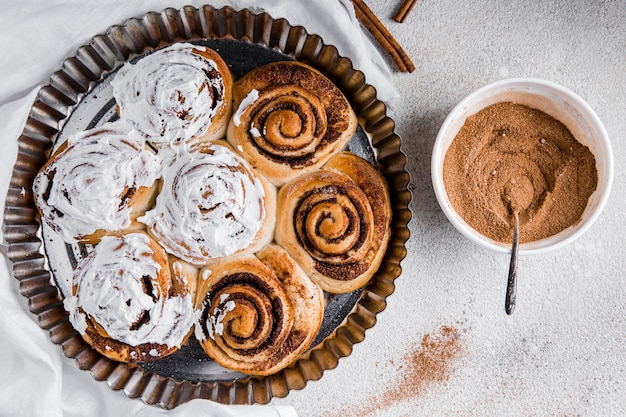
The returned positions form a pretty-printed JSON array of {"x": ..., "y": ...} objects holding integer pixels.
[{"x": 425, "y": 365}]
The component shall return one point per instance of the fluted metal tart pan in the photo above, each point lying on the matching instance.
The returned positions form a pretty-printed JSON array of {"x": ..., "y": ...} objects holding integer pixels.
[{"x": 78, "y": 96}]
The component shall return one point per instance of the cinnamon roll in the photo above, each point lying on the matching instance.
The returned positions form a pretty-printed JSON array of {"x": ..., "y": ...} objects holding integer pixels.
[
  {"x": 98, "y": 181},
  {"x": 289, "y": 119},
  {"x": 212, "y": 204},
  {"x": 257, "y": 314},
  {"x": 130, "y": 302},
  {"x": 176, "y": 94},
  {"x": 335, "y": 222}
]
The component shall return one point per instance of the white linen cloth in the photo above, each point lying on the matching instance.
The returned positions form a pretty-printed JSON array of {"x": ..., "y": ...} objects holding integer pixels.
[{"x": 37, "y": 379}]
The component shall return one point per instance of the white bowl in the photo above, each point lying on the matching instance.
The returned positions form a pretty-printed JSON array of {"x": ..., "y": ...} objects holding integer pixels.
[{"x": 558, "y": 102}]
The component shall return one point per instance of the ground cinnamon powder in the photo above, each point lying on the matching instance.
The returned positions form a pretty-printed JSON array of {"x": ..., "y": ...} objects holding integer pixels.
[
  {"x": 425, "y": 364},
  {"x": 511, "y": 157}
]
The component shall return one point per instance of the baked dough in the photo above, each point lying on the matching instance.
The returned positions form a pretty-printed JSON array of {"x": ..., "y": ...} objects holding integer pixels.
[
  {"x": 207, "y": 240},
  {"x": 211, "y": 205},
  {"x": 289, "y": 119},
  {"x": 182, "y": 93},
  {"x": 130, "y": 301},
  {"x": 99, "y": 181},
  {"x": 335, "y": 222},
  {"x": 257, "y": 314}
]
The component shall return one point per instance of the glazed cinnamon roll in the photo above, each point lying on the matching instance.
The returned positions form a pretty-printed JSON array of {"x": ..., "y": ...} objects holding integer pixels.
[
  {"x": 130, "y": 301},
  {"x": 176, "y": 94},
  {"x": 257, "y": 314},
  {"x": 212, "y": 204},
  {"x": 335, "y": 222},
  {"x": 288, "y": 119},
  {"x": 97, "y": 182}
]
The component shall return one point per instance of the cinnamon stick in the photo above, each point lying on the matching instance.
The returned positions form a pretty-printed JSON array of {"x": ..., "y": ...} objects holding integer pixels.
[
  {"x": 404, "y": 10},
  {"x": 369, "y": 20}
]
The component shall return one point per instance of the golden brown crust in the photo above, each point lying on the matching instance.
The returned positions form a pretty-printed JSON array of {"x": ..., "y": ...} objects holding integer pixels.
[
  {"x": 299, "y": 119},
  {"x": 184, "y": 277},
  {"x": 122, "y": 352},
  {"x": 219, "y": 124},
  {"x": 258, "y": 314},
  {"x": 336, "y": 222},
  {"x": 308, "y": 301},
  {"x": 373, "y": 183}
]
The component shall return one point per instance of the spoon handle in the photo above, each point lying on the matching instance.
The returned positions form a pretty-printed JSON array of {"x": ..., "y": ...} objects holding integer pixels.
[{"x": 511, "y": 291}]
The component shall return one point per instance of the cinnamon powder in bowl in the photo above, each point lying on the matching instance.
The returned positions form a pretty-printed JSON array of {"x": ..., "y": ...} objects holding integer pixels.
[{"x": 527, "y": 145}]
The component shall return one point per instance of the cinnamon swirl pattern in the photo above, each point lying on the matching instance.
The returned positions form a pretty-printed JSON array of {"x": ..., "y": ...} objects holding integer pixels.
[
  {"x": 335, "y": 222},
  {"x": 99, "y": 181},
  {"x": 128, "y": 303},
  {"x": 212, "y": 205},
  {"x": 257, "y": 314},
  {"x": 289, "y": 119},
  {"x": 169, "y": 205},
  {"x": 179, "y": 93}
]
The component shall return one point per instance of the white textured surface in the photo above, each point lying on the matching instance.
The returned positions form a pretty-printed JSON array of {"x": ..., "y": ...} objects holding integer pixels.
[{"x": 563, "y": 352}]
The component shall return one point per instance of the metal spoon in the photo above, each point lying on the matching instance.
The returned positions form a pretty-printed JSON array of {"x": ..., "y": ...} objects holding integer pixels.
[{"x": 511, "y": 293}]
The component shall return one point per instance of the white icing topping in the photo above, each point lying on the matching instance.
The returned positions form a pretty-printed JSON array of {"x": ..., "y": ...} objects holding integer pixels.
[
  {"x": 77, "y": 317},
  {"x": 206, "y": 274},
  {"x": 82, "y": 189},
  {"x": 243, "y": 106},
  {"x": 171, "y": 95},
  {"x": 110, "y": 289},
  {"x": 254, "y": 131},
  {"x": 177, "y": 269},
  {"x": 211, "y": 205},
  {"x": 214, "y": 323},
  {"x": 217, "y": 327}
]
